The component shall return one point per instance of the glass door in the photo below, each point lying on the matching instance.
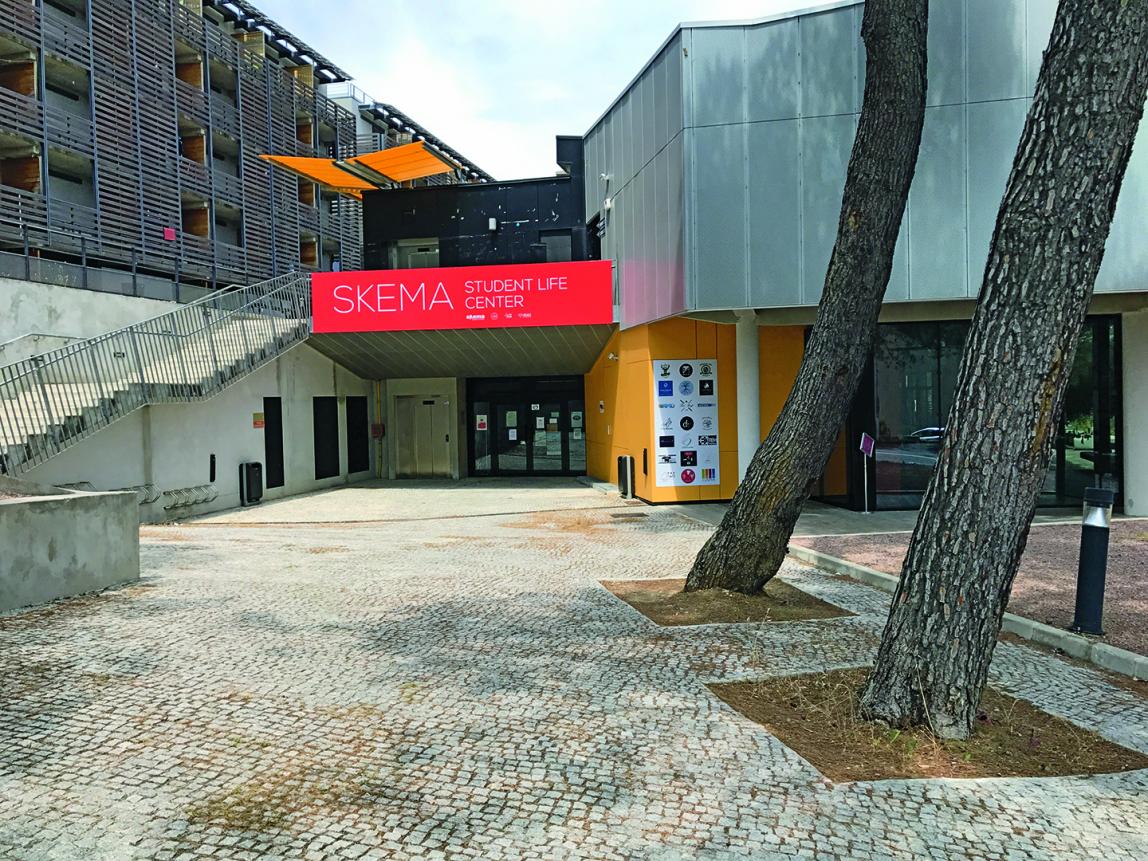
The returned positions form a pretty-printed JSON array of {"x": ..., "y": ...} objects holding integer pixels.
[
  {"x": 522, "y": 426},
  {"x": 548, "y": 429},
  {"x": 576, "y": 444},
  {"x": 512, "y": 454}
]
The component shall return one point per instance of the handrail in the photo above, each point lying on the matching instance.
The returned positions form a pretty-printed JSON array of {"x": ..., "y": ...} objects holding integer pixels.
[
  {"x": 12, "y": 341},
  {"x": 52, "y": 400}
]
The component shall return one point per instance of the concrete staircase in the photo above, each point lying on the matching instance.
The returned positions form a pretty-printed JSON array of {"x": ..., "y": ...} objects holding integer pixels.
[{"x": 52, "y": 401}]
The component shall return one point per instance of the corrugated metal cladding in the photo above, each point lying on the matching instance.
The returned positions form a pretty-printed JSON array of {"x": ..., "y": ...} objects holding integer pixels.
[{"x": 727, "y": 195}]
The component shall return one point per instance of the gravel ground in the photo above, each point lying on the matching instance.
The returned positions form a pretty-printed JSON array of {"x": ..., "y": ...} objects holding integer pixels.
[{"x": 1045, "y": 587}]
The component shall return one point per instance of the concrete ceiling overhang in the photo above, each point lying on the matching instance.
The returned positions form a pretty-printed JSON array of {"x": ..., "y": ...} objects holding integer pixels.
[{"x": 516, "y": 352}]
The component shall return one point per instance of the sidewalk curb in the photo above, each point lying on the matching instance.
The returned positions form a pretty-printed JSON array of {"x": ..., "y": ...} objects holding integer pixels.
[{"x": 1101, "y": 654}]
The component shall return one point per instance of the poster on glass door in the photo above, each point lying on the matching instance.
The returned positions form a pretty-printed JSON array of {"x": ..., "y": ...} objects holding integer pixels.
[{"x": 685, "y": 422}]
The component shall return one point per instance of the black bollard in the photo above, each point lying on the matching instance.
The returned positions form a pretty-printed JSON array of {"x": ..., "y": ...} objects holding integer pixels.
[{"x": 1093, "y": 560}]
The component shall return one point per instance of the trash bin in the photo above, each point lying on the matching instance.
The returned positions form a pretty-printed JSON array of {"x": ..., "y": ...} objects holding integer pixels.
[{"x": 250, "y": 483}]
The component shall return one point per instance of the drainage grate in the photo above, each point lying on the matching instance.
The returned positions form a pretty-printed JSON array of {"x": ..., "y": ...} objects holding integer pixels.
[{"x": 629, "y": 515}]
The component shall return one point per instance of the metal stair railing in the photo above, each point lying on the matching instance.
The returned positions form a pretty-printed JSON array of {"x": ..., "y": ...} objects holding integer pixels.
[{"x": 52, "y": 401}]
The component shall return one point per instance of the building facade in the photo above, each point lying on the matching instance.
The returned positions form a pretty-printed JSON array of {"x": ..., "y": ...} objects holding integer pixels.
[
  {"x": 716, "y": 178},
  {"x": 712, "y": 185},
  {"x": 130, "y": 140},
  {"x": 488, "y": 401},
  {"x": 131, "y": 134}
]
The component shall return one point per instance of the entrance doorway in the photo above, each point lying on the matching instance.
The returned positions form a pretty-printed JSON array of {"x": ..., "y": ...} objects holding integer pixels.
[
  {"x": 422, "y": 437},
  {"x": 526, "y": 426},
  {"x": 904, "y": 402}
]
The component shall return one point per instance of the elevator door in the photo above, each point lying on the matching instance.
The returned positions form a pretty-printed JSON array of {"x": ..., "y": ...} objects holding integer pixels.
[{"x": 422, "y": 443}]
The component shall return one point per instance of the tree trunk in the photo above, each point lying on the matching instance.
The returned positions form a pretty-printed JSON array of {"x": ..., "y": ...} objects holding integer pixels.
[
  {"x": 753, "y": 538},
  {"x": 1046, "y": 250}
]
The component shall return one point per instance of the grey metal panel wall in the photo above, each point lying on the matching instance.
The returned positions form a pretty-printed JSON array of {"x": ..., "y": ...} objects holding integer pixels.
[
  {"x": 996, "y": 45},
  {"x": 638, "y": 145},
  {"x": 774, "y": 235},
  {"x": 720, "y": 213},
  {"x": 994, "y": 130},
  {"x": 802, "y": 80},
  {"x": 826, "y": 142},
  {"x": 1126, "y": 254},
  {"x": 937, "y": 212},
  {"x": 761, "y": 118},
  {"x": 830, "y": 43}
]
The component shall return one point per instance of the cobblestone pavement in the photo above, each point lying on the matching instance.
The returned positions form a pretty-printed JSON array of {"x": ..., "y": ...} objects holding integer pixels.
[{"x": 464, "y": 687}]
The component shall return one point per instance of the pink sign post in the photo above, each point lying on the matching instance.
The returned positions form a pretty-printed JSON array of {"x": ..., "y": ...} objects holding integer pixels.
[{"x": 868, "y": 444}]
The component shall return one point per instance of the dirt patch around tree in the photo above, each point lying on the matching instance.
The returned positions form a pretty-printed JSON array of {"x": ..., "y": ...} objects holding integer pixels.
[
  {"x": 664, "y": 602},
  {"x": 816, "y": 716}
]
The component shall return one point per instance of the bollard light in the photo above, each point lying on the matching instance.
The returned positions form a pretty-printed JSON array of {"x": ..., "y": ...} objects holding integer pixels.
[{"x": 1093, "y": 567}]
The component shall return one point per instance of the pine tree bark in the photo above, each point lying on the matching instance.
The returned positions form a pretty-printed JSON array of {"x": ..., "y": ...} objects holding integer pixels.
[
  {"x": 750, "y": 544},
  {"x": 1046, "y": 250}
]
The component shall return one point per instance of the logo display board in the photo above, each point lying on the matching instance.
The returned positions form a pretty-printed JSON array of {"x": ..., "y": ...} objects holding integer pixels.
[
  {"x": 685, "y": 423},
  {"x": 463, "y": 297}
]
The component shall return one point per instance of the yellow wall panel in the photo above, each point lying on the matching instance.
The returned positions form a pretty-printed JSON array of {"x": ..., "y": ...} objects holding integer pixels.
[
  {"x": 780, "y": 349},
  {"x": 835, "y": 481},
  {"x": 625, "y": 389}
]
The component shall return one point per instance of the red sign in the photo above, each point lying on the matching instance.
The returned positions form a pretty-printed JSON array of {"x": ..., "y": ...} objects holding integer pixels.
[{"x": 463, "y": 297}]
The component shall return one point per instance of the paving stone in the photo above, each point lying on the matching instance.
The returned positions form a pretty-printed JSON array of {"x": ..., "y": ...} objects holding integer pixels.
[{"x": 445, "y": 679}]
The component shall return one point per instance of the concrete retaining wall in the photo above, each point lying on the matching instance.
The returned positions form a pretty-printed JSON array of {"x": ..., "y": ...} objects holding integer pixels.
[{"x": 66, "y": 544}]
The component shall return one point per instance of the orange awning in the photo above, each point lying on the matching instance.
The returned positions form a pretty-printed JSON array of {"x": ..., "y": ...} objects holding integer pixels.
[
  {"x": 324, "y": 171},
  {"x": 404, "y": 163}
]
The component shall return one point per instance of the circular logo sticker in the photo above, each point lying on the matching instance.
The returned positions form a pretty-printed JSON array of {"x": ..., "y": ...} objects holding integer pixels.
[
  {"x": 707, "y": 423},
  {"x": 686, "y": 370},
  {"x": 686, "y": 423},
  {"x": 706, "y": 369},
  {"x": 686, "y": 387},
  {"x": 688, "y": 476}
]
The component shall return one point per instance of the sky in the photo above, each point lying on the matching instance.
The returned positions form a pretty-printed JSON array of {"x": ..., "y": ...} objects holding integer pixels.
[{"x": 498, "y": 79}]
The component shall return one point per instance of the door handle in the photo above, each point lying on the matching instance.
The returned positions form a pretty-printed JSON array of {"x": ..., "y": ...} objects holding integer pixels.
[{"x": 448, "y": 437}]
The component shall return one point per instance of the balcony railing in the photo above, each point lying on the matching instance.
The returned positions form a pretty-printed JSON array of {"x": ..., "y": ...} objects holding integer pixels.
[
  {"x": 189, "y": 24},
  {"x": 23, "y": 115},
  {"x": 230, "y": 258},
  {"x": 66, "y": 40},
  {"x": 224, "y": 117},
  {"x": 194, "y": 177},
  {"x": 308, "y": 218},
  {"x": 75, "y": 217},
  {"x": 191, "y": 100},
  {"x": 228, "y": 188},
  {"x": 21, "y": 18},
  {"x": 69, "y": 130}
]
